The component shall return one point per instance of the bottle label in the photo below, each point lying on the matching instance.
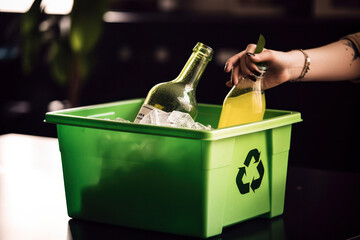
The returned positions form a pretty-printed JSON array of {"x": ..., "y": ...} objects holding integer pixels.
[{"x": 145, "y": 109}]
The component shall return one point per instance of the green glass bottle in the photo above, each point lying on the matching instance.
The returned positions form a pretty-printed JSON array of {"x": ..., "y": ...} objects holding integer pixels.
[{"x": 179, "y": 94}]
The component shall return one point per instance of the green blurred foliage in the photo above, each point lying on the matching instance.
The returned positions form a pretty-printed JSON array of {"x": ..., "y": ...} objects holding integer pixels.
[
  {"x": 69, "y": 57},
  {"x": 31, "y": 37},
  {"x": 86, "y": 24}
]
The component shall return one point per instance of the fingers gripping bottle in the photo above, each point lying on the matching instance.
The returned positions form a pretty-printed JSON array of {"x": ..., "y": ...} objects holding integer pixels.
[
  {"x": 179, "y": 94},
  {"x": 245, "y": 102}
]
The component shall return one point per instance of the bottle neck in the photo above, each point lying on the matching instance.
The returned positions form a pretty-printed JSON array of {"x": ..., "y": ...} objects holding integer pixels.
[
  {"x": 193, "y": 70},
  {"x": 259, "y": 80},
  {"x": 246, "y": 85}
]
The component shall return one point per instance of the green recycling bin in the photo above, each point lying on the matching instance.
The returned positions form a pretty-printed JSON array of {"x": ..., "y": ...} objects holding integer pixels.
[{"x": 173, "y": 180}]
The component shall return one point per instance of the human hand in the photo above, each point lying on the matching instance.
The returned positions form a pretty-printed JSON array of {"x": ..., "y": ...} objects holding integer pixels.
[{"x": 281, "y": 68}]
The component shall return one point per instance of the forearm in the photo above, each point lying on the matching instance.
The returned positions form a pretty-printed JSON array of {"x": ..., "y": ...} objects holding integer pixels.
[{"x": 333, "y": 62}]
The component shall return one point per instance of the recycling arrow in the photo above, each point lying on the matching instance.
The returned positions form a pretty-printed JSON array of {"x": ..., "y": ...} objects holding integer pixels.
[
  {"x": 255, "y": 184},
  {"x": 252, "y": 153},
  {"x": 243, "y": 187}
]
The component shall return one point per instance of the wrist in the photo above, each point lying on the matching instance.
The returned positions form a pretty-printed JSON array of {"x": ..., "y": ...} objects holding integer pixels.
[{"x": 295, "y": 64}]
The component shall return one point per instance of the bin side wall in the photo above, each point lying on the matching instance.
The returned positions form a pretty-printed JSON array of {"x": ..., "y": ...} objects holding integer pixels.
[
  {"x": 248, "y": 179},
  {"x": 280, "y": 146},
  {"x": 217, "y": 157},
  {"x": 137, "y": 180}
]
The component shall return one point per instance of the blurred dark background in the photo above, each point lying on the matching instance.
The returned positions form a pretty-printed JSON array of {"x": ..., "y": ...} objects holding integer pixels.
[{"x": 109, "y": 51}]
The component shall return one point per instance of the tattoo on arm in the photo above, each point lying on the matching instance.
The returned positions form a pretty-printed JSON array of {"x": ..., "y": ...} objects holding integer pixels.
[{"x": 355, "y": 53}]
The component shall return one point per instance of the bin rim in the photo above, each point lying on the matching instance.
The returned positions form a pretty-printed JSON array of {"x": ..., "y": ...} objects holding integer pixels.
[{"x": 64, "y": 117}]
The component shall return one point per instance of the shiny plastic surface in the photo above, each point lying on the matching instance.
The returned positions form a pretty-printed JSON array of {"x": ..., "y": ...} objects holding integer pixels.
[{"x": 171, "y": 180}]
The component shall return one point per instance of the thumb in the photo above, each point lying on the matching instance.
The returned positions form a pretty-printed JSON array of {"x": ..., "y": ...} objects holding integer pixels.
[{"x": 264, "y": 56}]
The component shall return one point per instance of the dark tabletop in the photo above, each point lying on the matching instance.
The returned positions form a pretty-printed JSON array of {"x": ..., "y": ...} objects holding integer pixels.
[{"x": 319, "y": 204}]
